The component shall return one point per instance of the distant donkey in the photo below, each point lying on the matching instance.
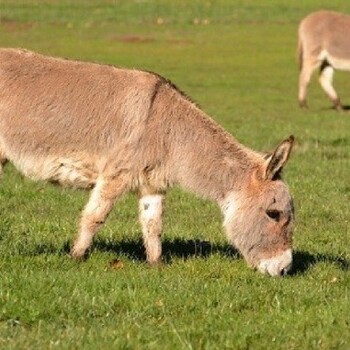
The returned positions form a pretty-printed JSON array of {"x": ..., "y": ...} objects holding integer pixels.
[
  {"x": 117, "y": 130},
  {"x": 324, "y": 42}
]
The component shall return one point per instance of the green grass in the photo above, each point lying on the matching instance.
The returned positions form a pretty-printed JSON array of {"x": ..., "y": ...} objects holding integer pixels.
[{"x": 241, "y": 68}]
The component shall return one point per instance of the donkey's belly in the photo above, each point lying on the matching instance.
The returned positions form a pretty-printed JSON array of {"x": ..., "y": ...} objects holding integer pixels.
[{"x": 66, "y": 171}]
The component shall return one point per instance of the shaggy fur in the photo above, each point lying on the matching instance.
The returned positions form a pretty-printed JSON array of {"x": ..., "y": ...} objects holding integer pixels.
[{"x": 117, "y": 130}]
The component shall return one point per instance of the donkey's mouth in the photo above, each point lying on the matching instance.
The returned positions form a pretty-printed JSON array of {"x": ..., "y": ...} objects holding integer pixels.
[{"x": 279, "y": 265}]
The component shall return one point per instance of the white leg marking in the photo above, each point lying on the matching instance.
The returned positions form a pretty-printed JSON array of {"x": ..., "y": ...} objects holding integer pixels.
[
  {"x": 150, "y": 207},
  {"x": 94, "y": 200},
  {"x": 326, "y": 79}
]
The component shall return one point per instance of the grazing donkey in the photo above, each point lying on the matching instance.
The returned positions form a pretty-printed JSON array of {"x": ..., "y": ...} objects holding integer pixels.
[
  {"x": 324, "y": 42},
  {"x": 117, "y": 130}
]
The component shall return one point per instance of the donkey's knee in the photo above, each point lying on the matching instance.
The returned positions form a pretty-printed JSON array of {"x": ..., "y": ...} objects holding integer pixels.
[
  {"x": 150, "y": 207},
  {"x": 303, "y": 103}
]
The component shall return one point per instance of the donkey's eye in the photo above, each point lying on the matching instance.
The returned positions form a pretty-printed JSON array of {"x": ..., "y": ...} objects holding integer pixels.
[{"x": 273, "y": 215}]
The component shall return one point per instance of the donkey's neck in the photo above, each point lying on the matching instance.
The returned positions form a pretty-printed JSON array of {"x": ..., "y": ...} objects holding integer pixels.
[{"x": 208, "y": 160}]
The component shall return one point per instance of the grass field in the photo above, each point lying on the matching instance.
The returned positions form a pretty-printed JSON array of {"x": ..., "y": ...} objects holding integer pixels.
[{"x": 237, "y": 59}]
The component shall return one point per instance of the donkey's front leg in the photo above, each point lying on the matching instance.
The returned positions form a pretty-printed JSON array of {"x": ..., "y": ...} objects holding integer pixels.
[
  {"x": 95, "y": 213},
  {"x": 151, "y": 221}
]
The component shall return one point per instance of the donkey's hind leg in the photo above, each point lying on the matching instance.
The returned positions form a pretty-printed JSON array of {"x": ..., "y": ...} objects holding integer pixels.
[
  {"x": 308, "y": 67},
  {"x": 326, "y": 80},
  {"x": 100, "y": 203},
  {"x": 150, "y": 207}
]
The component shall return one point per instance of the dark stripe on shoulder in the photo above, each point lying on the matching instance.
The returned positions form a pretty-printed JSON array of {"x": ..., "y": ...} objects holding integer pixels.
[
  {"x": 161, "y": 81},
  {"x": 156, "y": 88}
]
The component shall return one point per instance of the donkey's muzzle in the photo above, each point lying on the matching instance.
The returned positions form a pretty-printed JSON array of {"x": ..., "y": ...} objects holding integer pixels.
[{"x": 278, "y": 265}]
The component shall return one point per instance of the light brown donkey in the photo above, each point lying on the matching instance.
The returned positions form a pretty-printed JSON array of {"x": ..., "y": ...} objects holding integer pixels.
[
  {"x": 117, "y": 130},
  {"x": 324, "y": 42}
]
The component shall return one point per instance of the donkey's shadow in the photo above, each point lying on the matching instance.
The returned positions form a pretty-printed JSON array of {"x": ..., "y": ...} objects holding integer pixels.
[
  {"x": 344, "y": 108},
  {"x": 178, "y": 248},
  {"x": 187, "y": 249},
  {"x": 303, "y": 261}
]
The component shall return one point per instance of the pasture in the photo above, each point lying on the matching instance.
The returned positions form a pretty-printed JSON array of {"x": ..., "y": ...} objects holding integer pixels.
[{"x": 237, "y": 59}]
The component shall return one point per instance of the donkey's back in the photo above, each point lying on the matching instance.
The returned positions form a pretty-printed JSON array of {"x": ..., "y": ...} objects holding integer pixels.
[{"x": 63, "y": 120}]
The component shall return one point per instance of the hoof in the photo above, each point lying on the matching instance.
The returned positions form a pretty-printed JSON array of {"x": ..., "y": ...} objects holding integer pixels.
[
  {"x": 338, "y": 105},
  {"x": 303, "y": 104},
  {"x": 78, "y": 255},
  {"x": 155, "y": 264},
  {"x": 339, "y": 108}
]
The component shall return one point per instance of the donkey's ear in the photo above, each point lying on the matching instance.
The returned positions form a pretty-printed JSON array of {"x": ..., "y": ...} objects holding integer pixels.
[{"x": 278, "y": 159}]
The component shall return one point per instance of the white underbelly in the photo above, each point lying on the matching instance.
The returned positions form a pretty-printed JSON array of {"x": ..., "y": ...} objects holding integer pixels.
[
  {"x": 335, "y": 62},
  {"x": 65, "y": 171}
]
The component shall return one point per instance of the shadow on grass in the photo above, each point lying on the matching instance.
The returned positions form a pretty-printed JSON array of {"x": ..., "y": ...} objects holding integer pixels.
[
  {"x": 186, "y": 249},
  {"x": 344, "y": 108},
  {"x": 178, "y": 248},
  {"x": 303, "y": 261},
  {"x": 133, "y": 249}
]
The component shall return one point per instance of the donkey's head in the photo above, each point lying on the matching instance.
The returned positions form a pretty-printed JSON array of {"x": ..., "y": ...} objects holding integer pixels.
[{"x": 259, "y": 217}]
